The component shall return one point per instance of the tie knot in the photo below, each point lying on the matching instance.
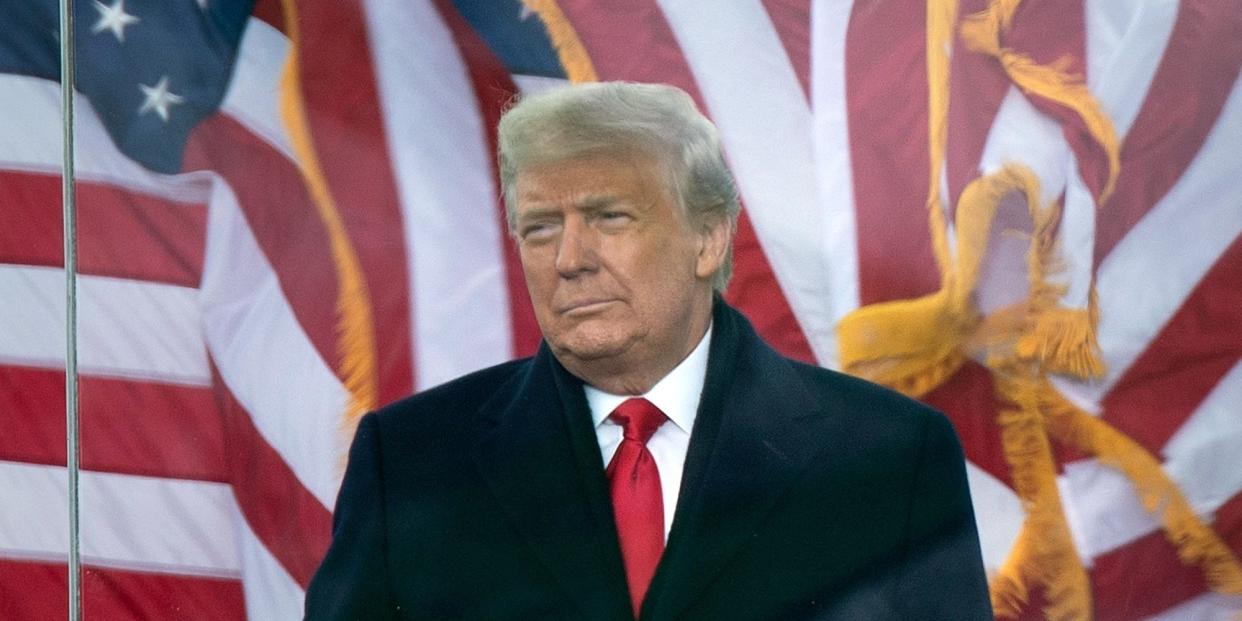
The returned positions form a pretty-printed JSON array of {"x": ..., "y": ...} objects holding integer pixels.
[{"x": 639, "y": 419}]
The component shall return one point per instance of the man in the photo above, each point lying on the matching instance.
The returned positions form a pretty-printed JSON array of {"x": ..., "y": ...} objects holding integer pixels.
[{"x": 655, "y": 459}]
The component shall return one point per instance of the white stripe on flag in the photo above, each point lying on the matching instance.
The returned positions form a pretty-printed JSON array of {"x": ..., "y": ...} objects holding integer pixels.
[
  {"x": 830, "y": 21},
  {"x": 31, "y": 135},
  {"x": 271, "y": 593},
  {"x": 442, "y": 164},
  {"x": 1125, "y": 44},
  {"x": 1204, "y": 450},
  {"x": 1207, "y": 607},
  {"x": 252, "y": 98},
  {"x": 1101, "y": 507},
  {"x": 766, "y": 128},
  {"x": 126, "y": 328},
  {"x": 1020, "y": 134},
  {"x": 998, "y": 514},
  {"x": 129, "y": 522},
  {"x": 264, "y": 355}
]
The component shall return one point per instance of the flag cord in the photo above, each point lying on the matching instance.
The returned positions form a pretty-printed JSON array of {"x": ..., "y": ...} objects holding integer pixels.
[{"x": 70, "y": 224}]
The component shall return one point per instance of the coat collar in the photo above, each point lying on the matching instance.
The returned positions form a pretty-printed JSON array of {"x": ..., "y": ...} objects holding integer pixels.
[
  {"x": 756, "y": 431},
  {"x": 542, "y": 461}
]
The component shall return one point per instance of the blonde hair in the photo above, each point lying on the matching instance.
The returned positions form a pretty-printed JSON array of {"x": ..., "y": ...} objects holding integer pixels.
[{"x": 623, "y": 118}]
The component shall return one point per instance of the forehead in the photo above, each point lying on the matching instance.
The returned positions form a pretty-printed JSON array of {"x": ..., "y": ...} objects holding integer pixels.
[{"x": 592, "y": 178}]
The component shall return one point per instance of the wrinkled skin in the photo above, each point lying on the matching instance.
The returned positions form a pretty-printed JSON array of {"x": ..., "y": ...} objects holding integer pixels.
[{"x": 619, "y": 279}]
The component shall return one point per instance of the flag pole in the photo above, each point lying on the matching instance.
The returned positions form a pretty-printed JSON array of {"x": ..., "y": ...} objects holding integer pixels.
[{"x": 68, "y": 206}]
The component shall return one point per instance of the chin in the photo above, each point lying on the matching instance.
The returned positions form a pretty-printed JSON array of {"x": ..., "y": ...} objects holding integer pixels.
[{"x": 590, "y": 347}]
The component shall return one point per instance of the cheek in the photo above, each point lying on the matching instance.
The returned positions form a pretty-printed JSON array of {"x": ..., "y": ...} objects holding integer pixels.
[{"x": 539, "y": 285}]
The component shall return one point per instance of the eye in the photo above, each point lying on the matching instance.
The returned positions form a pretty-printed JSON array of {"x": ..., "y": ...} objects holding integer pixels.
[
  {"x": 536, "y": 231},
  {"x": 613, "y": 218}
]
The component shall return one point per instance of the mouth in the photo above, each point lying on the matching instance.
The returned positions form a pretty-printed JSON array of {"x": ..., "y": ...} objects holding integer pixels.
[{"x": 585, "y": 307}]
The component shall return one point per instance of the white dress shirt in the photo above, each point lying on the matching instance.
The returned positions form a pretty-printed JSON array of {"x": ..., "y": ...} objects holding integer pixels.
[{"x": 677, "y": 395}]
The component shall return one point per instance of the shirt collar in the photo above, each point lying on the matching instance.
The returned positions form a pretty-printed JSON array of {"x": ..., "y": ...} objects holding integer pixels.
[{"x": 676, "y": 394}]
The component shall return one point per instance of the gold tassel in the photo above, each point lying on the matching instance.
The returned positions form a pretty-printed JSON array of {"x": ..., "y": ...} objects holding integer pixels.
[
  {"x": 941, "y": 15},
  {"x": 982, "y": 32},
  {"x": 569, "y": 48},
  {"x": 1197, "y": 544},
  {"x": 909, "y": 345},
  {"x": 1053, "y": 559},
  {"x": 915, "y": 345},
  {"x": 1010, "y": 588},
  {"x": 1063, "y": 341},
  {"x": 355, "y": 330}
]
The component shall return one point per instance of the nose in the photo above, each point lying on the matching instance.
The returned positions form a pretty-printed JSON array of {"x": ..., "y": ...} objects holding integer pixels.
[{"x": 576, "y": 252}]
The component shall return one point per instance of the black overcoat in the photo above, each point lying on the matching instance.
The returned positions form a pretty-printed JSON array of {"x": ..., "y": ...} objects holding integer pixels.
[{"x": 807, "y": 494}]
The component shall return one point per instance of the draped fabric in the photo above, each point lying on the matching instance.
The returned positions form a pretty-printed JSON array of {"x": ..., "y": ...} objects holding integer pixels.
[{"x": 1025, "y": 213}]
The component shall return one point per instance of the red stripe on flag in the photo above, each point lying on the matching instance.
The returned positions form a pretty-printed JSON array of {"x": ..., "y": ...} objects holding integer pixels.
[
  {"x": 1141, "y": 579},
  {"x": 289, "y": 521},
  {"x": 39, "y": 590},
  {"x": 979, "y": 83},
  {"x": 1181, "y": 366},
  {"x": 1195, "y": 76},
  {"x": 755, "y": 290},
  {"x": 348, "y": 131},
  {"x": 792, "y": 20},
  {"x": 285, "y": 223},
  {"x": 1145, "y": 576},
  {"x": 494, "y": 90},
  {"x": 968, "y": 399},
  {"x": 611, "y": 34},
  {"x": 1050, "y": 32},
  {"x": 127, "y": 426},
  {"x": 121, "y": 233},
  {"x": 886, "y": 102},
  {"x": 271, "y": 12},
  {"x": 1229, "y": 523}
]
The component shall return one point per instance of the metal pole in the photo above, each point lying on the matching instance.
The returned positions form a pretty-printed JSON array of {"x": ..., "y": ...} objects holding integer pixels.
[{"x": 73, "y": 443}]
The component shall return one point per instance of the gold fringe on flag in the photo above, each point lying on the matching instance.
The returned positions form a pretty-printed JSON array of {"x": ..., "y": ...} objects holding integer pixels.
[
  {"x": 1046, "y": 548},
  {"x": 1062, "y": 340},
  {"x": 1197, "y": 544},
  {"x": 1010, "y": 588},
  {"x": 915, "y": 345},
  {"x": 355, "y": 329},
  {"x": 941, "y": 15},
  {"x": 569, "y": 49},
  {"x": 911, "y": 346},
  {"x": 982, "y": 33}
]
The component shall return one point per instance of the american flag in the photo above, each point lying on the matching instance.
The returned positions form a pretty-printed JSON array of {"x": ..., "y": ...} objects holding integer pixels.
[{"x": 1026, "y": 213}]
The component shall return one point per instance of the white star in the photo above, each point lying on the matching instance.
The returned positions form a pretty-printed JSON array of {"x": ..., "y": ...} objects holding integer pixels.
[
  {"x": 158, "y": 98},
  {"x": 202, "y": 4},
  {"x": 113, "y": 18}
]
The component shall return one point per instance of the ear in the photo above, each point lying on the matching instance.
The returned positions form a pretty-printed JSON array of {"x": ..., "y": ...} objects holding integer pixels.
[{"x": 714, "y": 240}]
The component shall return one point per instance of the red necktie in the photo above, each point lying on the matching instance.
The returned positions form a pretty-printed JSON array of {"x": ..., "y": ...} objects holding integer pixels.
[{"x": 637, "y": 503}]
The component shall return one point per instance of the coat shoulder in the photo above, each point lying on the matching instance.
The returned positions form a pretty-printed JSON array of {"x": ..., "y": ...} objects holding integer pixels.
[
  {"x": 454, "y": 407},
  {"x": 870, "y": 405}
]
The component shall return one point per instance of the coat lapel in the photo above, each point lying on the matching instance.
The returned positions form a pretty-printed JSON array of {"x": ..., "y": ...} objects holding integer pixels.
[
  {"x": 542, "y": 462},
  {"x": 752, "y": 436}
]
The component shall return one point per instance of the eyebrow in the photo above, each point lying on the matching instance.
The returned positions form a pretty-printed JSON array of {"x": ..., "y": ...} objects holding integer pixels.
[
  {"x": 590, "y": 204},
  {"x": 595, "y": 204}
]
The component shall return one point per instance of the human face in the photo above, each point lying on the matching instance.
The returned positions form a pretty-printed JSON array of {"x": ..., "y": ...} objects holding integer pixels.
[{"x": 619, "y": 280}]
